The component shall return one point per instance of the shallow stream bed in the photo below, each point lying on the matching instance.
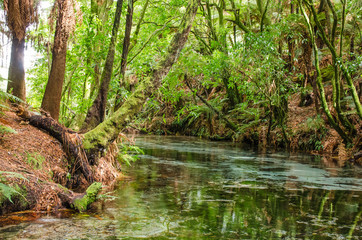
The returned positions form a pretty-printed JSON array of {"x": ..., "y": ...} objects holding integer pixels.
[{"x": 187, "y": 188}]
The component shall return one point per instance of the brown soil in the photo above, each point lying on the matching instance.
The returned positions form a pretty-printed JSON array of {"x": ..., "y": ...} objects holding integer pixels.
[{"x": 38, "y": 157}]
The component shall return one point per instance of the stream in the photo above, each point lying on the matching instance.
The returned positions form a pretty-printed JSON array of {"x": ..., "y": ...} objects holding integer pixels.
[{"x": 188, "y": 188}]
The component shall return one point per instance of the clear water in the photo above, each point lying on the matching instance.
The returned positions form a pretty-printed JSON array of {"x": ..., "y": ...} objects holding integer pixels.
[{"x": 187, "y": 188}]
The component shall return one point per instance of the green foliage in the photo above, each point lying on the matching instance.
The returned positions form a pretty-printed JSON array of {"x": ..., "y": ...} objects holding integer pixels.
[
  {"x": 313, "y": 124},
  {"x": 316, "y": 130},
  {"x": 128, "y": 153},
  {"x": 35, "y": 160},
  {"x": 4, "y": 97},
  {"x": 8, "y": 191},
  {"x": 4, "y": 130}
]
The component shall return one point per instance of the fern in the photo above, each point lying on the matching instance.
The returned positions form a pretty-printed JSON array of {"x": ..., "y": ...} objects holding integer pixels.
[
  {"x": 129, "y": 153},
  {"x": 4, "y": 96},
  {"x": 7, "y": 191},
  {"x": 11, "y": 175},
  {"x": 5, "y": 130}
]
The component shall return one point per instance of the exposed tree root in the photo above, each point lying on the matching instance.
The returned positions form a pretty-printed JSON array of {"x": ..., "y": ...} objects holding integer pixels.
[{"x": 71, "y": 141}]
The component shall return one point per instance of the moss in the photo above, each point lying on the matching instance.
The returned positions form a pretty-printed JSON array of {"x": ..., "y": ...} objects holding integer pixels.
[
  {"x": 327, "y": 73},
  {"x": 107, "y": 131},
  {"x": 81, "y": 204}
]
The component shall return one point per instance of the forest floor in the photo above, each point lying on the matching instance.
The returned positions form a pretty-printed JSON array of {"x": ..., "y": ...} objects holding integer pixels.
[{"x": 33, "y": 163}]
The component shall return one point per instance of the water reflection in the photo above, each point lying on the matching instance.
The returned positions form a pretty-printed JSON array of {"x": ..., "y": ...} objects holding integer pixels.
[{"x": 186, "y": 188}]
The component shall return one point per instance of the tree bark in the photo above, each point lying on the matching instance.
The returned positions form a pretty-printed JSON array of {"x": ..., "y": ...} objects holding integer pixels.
[
  {"x": 53, "y": 90},
  {"x": 16, "y": 84},
  {"x": 96, "y": 113}
]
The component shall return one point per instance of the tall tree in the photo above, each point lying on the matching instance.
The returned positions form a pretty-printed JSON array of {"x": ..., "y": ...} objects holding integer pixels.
[
  {"x": 97, "y": 111},
  {"x": 99, "y": 139},
  {"x": 20, "y": 14},
  {"x": 64, "y": 26}
]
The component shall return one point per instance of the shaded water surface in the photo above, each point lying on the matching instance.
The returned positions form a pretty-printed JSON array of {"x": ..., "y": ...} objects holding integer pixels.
[{"x": 186, "y": 188}]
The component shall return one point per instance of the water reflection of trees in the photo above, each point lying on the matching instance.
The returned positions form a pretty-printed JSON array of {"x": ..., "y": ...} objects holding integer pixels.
[{"x": 205, "y": 207}]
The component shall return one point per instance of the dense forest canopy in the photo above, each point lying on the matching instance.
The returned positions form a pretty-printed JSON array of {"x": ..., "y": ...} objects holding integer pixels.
[{"x": 193, "y": 64}]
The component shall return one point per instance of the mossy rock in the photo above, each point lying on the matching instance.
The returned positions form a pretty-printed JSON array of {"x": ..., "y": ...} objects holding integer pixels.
[{"x": 82, "y": 204}]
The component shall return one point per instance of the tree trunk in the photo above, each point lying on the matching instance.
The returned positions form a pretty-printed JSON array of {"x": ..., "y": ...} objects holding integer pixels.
[
  {"x": 96, "y": 113},
  {"x": 16, "y": 84},
  {"x": 98, "y": 139},
  {"x": 291, "y": 46},
  {"x": 126, "y": 44},
  {"x": 78, "y": 162},
  {"x": 53, "y": 90},
  {"x": 19, "y": 15},
  {"x": 307, "y": 58},
  {"x": 127, "y": 37}
]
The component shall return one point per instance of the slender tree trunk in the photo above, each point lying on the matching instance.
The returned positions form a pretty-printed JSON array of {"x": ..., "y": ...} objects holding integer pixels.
[
  {"x": 98, "y": 139},
  {"x": 291, "y": 45},
  {"x": 126, "y": 44},
  {"x": 99, "y": 10},
  {"x": 96, "y": 113},
  {"x": 307, "y": 58},
  {"x": 19, "y": 15},
  {"x": 53, "y": 90},
  {"x": 263, "y": 16},
  {"x": 342, "y": 66},
  {"x": 351, "y": 49},
  {"x": 16, "y": 84},
  {"x": 127, "y": 37},
  {"x": 324, "y": 103}
]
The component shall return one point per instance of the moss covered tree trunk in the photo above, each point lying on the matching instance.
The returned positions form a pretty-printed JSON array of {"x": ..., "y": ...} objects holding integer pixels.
[{"x": 98, "y": 139}]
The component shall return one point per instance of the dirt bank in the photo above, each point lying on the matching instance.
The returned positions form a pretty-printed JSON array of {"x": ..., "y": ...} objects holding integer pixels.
[{"x": 34, "y": 170}]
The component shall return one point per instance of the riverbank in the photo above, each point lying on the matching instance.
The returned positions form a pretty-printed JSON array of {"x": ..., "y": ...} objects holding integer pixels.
[
  {"x": 192, "y": 188},
  {"x": 35, "y": 172},
  {"x": 34, "y": 166},
  {"x": 304, "y": 130}
]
